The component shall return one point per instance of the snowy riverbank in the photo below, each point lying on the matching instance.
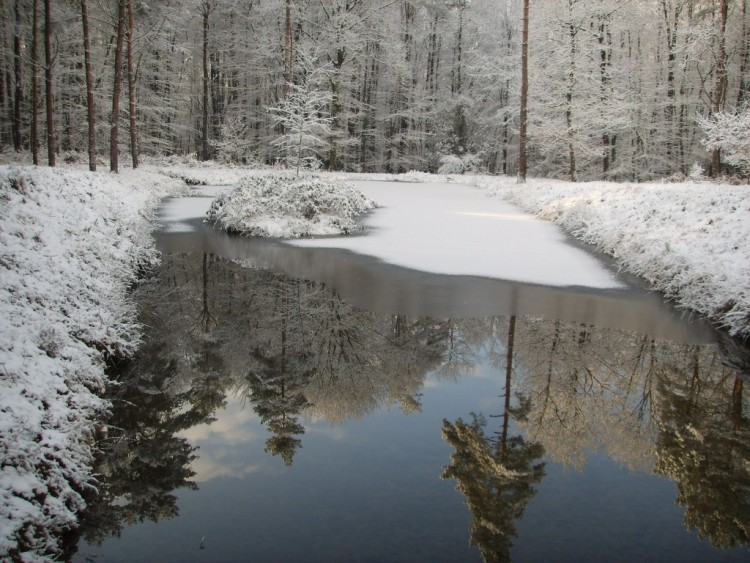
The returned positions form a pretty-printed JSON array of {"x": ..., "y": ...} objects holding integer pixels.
[
  {"x": 688, "y": 240},
  {"x": 71, "y": 244}
]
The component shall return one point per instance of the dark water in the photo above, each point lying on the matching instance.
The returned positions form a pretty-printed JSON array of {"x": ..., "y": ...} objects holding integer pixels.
[{"x": 301, "y": 405}]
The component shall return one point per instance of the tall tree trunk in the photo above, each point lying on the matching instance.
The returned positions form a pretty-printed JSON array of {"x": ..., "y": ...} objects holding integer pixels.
[
  {"x": 18, "y": 77},
  {"x": 204, "y": 135},
  {"x": 572, "y": 33},
  {"x": 90, "y": 103},
  {"x": 721, "y": 80},
  {"x": 743, "y": 93},
  {"x": 114, "y": 141},
  {"x": 605, "y": 61},
  {"x": 522, "y": 158},
  {"x": 48, "y": 82},
  {"x": 35, "y": 82},
  {"x": 131, "y": 91},
  {"x": 288, "y": 48}
]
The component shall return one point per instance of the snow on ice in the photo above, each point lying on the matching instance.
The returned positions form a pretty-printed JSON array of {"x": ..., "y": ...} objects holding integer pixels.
[{"x": 456, "y": 229}]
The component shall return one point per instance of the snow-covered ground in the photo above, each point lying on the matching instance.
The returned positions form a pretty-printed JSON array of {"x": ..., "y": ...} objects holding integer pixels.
[
  {"x": 688, "y": 240},
  {"x": 70, "y": 245}
]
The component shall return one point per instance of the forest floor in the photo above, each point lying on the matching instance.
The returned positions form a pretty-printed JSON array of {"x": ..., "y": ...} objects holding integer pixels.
[{"x": 73, "y": 243}]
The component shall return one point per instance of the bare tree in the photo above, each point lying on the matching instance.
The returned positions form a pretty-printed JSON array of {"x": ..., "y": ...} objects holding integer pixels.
[
  {"x": 34, "y": 82},
  {"x": 131, "y": 90},
  {"x": 205, "y": 11},
  {"x": 48, "y": 82},
  {"x": 288, "y": 48},
  {"x": 18, "y": 77},
  {"x": 114, "y": 147},
  {"x": 522, "y": 156},
  {"x": 721, "y": 80},
  {"x": 90, "y": 103}
]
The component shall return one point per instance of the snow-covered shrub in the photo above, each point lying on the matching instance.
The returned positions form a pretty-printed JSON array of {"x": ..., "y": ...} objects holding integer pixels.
[
  {"x": 234, "y": 146},
  {"x": 729, "y": 132},
  {"x": 697, "y": 172},
  {"x": 284, "y": 205},
  {"x": 466, "y": 164}
]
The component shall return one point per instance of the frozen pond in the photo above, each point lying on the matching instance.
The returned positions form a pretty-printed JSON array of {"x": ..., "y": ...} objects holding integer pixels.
[{"x": 294, "y": 403}]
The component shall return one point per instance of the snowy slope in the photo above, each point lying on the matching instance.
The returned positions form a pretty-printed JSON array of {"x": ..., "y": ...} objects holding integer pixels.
[
  {"x": 689, "y": 240},
  {"x": 70, "y": 243}
]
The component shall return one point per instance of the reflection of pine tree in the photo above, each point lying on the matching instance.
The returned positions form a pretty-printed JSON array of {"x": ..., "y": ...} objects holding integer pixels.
[
  {"x": 277, "y": 396},
  {"x": 704, "y": 446},
  {"x": 496, "y": 479},
  {"x": 141, "y": 461},
  {"x": 495, "y": 475}
]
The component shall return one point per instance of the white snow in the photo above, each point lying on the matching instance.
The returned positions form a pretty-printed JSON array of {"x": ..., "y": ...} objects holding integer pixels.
[
  {"x": 456, "y": 229},
  {"x": 689, "y": 240},
  {"x": 284, "y": 205},
  {"x": 70, "y": 243}
]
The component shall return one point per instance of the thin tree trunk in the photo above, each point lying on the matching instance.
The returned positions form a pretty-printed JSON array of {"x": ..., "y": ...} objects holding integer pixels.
[
  {"x": 48, "y": 82},
  {"x": 18, "y": 78},
  {"x": 721, "y": 81},
  {"x": 204, "y": 134},
  {"x": 131, "y": 91},
  {"x": 288, "y": 48},
  {"x": 522, "y": 158},
  {"x": 744, "y": 87},
  {"x": 114, "y": 147},
  {"x": 90, "y": 103},
  {"x": 572, "y": 31},
  {"x": 35, "y": 82}
]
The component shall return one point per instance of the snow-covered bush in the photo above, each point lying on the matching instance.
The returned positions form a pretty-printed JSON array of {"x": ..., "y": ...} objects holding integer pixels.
[
  {"x": 234, "y": 146},
  {"x": 466, "y": 164},
  {"x": 283, "y": 205},
  {"x": 70, "y": 243},
  {"x": 729, "y": 132}
]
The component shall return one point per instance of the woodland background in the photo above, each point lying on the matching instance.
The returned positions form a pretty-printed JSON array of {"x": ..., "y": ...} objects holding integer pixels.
[{"x": 616, "y": 86}]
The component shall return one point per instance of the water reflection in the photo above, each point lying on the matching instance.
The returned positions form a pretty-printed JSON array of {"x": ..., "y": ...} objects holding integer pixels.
[
  {"x": 296, "y": 352},
  {"x": 496, "y": 474}
]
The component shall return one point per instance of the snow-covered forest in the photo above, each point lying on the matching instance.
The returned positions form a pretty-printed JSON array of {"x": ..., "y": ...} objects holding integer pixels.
[{"x": 619, "y": 90}]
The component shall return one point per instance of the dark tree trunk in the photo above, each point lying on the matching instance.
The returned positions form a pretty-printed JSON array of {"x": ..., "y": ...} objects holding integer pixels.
[
  {"x": 206, "y": 78},
  {"x": 743, "y": 92},
  {"x": 131, "y": 91},
  {"x": 35, "y": 82},
  {"x": 114, "y": 146},
  {"x": 90, "y": 103},
  {"x": 522, "y": 158},
  {"x": 48, "y": 82},
  {"x": 288, "y": 48},
  {"x": 18, "y": 78}
]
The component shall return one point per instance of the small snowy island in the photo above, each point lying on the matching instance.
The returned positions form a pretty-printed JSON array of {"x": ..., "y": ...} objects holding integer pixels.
[{"x": 282, "y": 205}]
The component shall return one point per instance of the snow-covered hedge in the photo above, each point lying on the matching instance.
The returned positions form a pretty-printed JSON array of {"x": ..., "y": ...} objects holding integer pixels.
[
  {"x": 689, "y": 240},
  {"x": 70, "y": 244},
  {"x": 282, "y": 205}
]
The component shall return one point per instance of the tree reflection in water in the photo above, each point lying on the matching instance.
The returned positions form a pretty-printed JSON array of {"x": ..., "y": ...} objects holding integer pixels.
[
  {"x": 496, "y": 475},
  {"x": 294, "y": 350}
]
